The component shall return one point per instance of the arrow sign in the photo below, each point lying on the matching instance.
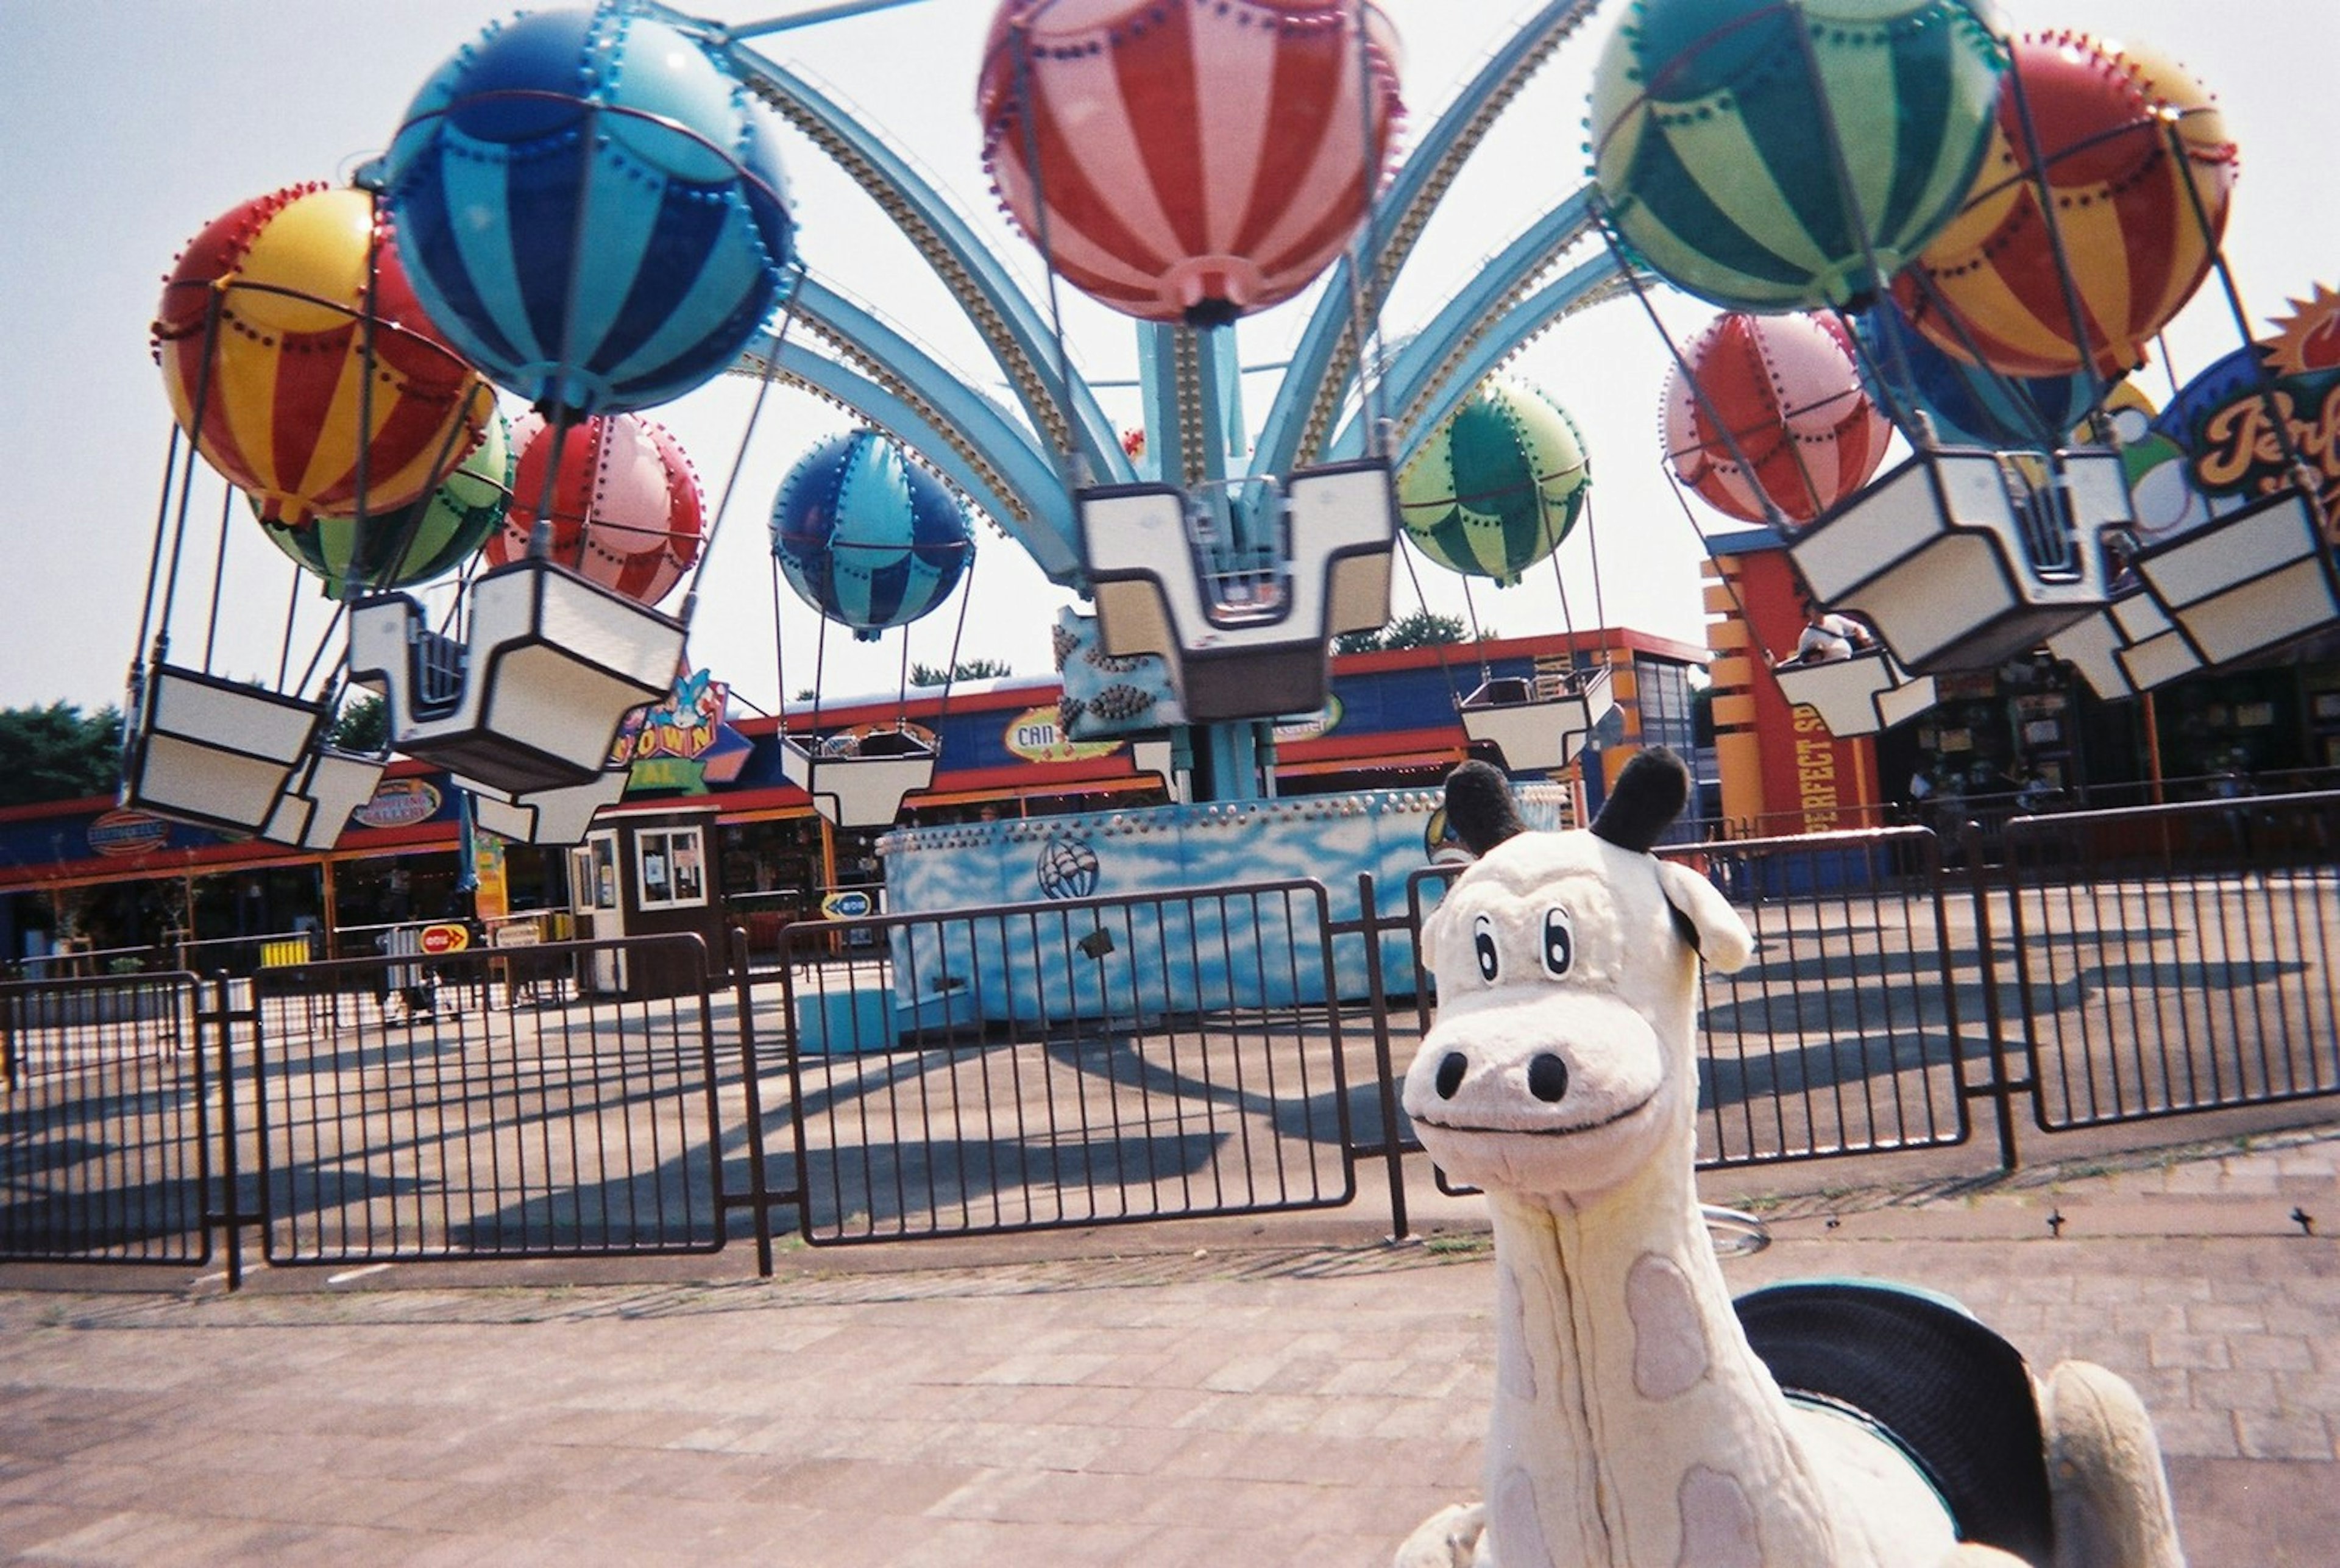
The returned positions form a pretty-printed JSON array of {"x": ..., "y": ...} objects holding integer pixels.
[
  {"x": 439, "y": 939},
  {"x": 849, "y": 904}
]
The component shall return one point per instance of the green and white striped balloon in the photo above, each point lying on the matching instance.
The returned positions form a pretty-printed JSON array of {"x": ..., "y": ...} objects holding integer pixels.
[
  {"x": 415, "y": 543},
  {"x": 1790, "y": 154},
  {"x": 1497, "y": 487}
]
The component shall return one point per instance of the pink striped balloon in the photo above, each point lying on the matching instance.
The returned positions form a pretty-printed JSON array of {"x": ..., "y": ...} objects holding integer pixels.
[
  {"x": 626, "y": 508},
  {"x": 1788, "y": 391},
  {"x": 1196, "y": 159}
]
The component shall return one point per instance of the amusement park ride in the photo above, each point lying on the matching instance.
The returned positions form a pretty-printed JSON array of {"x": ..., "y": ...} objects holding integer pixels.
[{"x": 585, "y": 210}]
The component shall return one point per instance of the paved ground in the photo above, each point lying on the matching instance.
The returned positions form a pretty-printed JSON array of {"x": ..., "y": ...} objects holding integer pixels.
[{"x": 1211, "y": 1396}]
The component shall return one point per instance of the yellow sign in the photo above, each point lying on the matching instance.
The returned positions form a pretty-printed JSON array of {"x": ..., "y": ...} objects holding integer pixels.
[
  {"x": 1035, "y": 736},
  {"x": 492, "y": 900}
]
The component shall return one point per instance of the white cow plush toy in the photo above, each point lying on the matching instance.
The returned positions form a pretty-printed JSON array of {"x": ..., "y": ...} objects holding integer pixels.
[{"x": 1640, "y": 1420}]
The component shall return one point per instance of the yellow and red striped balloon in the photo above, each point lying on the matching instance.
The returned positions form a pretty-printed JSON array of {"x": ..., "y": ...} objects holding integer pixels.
[
  {"x": 2120, "y": 134},
  {"x": 296, "y": 357}
]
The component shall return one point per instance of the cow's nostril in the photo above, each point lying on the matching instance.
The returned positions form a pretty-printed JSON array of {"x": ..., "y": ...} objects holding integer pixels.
[
  {"x": 1451, "y": 1069},
  {"x": 1548, "y": 1077}
]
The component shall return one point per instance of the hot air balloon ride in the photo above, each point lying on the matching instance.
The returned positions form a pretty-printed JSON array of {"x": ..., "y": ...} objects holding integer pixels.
[
  {"x": 1095, "y": 117},
  {"x": 594, "y": 208},
  {"x": 299, "y": 365},
  {"x": 1777, "y": 156},
  {"x": 1767, "y": 420},
  {"x": 871, "y": 541},
  {"x": 1770, "y": 156},
  {"x": 1493, "y": 491},
  {"x": 2105, "y": 193},
  {"x": 423, "y": 541},
  {"x": 605, "y": 519},
  {"x": 1771, "y": 423},
  {"x": 616, "y": 497},
  {"x": 1968, "y": 403},
  {"x": 646, "y": 180},
  {"x": 1187, "y": 163}
]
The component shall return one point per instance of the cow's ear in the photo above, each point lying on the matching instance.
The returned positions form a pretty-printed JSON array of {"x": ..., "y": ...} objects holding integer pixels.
[{"x": 1712, "y": 926}]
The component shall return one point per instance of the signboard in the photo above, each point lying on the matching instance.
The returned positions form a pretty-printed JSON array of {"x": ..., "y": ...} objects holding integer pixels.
[
  {"x": 849, "y": 904},
  {"x": 1035, "y": 736},
  {"x": 491, "y": 898},
  {"x": 441, "y": 939},
  {"x": 127, "y": 833},
  {"x": 399, "y": 803},
  {"x": 684, "y": 744}
]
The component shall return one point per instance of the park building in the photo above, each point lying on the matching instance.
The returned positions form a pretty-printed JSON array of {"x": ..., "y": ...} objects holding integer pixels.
[{"x": 710, "y": 834}]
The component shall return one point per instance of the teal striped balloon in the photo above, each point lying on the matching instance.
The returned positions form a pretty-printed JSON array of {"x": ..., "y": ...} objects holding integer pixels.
[
  {"x": 1711, "y": 148},
  {"x": 1498, "y": 486},
  {"x": 415, "y": 543}
]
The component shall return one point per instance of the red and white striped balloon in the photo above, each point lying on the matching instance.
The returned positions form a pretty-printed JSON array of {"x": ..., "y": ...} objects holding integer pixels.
[
  {"x": 1196, "y": 159},
  {"x": 1787, "y": 389},
  {"x": 626, "y": 508}
]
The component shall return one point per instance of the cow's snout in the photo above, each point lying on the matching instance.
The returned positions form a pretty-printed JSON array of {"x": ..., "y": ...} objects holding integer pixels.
[{"x": 1547, "y": 1076}]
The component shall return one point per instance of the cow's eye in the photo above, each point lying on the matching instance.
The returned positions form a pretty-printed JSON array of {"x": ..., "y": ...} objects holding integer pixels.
[
  {"x": 1559, "y": 942},
  {"x": 1483, "y": 943}
]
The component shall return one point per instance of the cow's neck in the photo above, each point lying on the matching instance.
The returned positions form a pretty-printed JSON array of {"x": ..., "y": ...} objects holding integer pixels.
[{"x": 1633, "y": 1426}]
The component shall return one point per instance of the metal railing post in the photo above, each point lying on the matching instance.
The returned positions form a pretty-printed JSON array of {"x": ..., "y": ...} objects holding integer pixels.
[
  {"x": 759, "y": 1192},
  {"x": 230, "y": 1216},
  {"x": 2000, "y": 1089},
  {"x": 1377, "y": 1002}
]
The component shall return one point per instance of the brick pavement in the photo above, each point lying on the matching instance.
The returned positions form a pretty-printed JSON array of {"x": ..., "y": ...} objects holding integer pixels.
[{"x": 1144, "y": 1401}]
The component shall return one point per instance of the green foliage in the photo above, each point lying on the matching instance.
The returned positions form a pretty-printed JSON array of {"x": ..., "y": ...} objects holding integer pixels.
[
  {"x": 1415, "y": 629},
  {"x": 362, "y": 725},
  {"x": 965, "y": 669},
  {"x": 59, "y": 753}
]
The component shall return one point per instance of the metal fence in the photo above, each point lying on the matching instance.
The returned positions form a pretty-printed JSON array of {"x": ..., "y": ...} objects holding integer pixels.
[
  {"x": 1087, "y": 1062},
  {"x": 1109, "y": 1060},
  {"x": 2178, "y": 958},
  {"x": 1847, "y": 1033},
  {"x": 481, "y": 1105},
  {"x": 104, "y": 1130}
]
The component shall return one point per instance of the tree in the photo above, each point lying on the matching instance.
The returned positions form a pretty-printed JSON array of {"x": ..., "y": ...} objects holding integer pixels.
[
  {"x": 362, "y": 725},
  {"x": 965, "y": 669},
  {"x": 1415, "y": 629},
  {"x": 59, "y": 753}
]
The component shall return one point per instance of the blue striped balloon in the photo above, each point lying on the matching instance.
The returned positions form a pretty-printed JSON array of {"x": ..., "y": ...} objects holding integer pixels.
[
  {"x": 591, "y": 208},
  {"x": 867, "y": 537},
  {"x": 1969, "y": 404}
]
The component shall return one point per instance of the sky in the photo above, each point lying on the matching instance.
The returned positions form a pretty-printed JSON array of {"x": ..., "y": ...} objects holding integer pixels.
[{"x": 126, "y": 126}]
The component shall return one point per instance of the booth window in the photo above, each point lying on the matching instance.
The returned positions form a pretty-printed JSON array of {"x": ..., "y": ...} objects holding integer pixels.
[{"x": 670, "y": 868}]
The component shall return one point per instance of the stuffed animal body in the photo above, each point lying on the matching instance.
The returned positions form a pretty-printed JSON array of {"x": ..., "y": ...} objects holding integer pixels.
[{"x": 1635, "y": 1426}]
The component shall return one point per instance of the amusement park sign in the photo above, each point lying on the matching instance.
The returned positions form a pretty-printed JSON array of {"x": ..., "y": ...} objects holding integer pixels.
[
  {"x": 685, "y": 744},
  {"x": 2235, "y": 437}
]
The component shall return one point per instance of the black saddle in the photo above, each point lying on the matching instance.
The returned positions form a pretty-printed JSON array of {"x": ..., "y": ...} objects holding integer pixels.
[{"x": 1954, "y": 1395}]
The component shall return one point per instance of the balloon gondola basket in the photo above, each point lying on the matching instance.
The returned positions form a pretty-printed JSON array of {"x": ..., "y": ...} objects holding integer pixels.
[
  {"x": 561, "y": 815},
  {"x": 2249, "y": 581},
  {"x": 859, "y": 780},
  {"x": 1964, "y": 557},
  {"x": 2130, "y": 646},
  {"x": 1539, "y": 723},
  {"x": 1243, "y": 644},
  {"x": 320, "y": 796},
  {"x": 531, "y": 699},
  {"x": 215, "y": 752},
  {"x": 1862, "y": 695}
]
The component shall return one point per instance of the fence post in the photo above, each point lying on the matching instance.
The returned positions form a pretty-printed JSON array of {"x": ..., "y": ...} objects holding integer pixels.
[
  {"x": 2000, "y": 1089},
  {"x": 752, "y": 1092},
  {"x": 230, "y": 1216},
  {"x": 1377, "y": 1003}
]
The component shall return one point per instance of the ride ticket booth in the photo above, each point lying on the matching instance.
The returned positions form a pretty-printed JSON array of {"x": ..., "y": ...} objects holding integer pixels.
[{"x": 645, "y": 874}]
